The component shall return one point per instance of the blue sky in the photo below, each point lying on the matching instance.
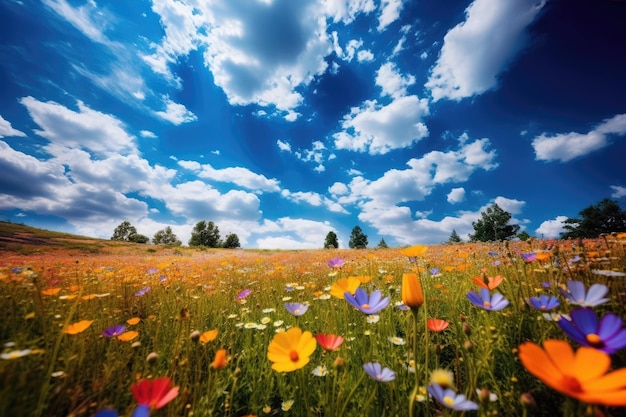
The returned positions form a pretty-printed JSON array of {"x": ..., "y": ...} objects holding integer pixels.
[{"x": 282, "y": 120}]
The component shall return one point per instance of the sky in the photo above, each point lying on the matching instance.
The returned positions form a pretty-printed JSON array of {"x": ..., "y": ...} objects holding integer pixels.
[{"x": 283, "y": 120}]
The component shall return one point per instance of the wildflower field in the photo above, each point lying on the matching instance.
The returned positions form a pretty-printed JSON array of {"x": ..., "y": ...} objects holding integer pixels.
[{"x": 488, "y": 329}]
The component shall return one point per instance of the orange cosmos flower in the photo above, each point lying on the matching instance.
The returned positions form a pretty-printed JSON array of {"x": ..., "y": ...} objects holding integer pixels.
[
  {"x": 133, "y": 321},
  {"x": 154, "y": 393},
  {"x": 581, "y": 374},
  {"x": 50, "y": 291},
  {"x": 220, "y": 360},
  {"x": 329, "y": 342},
  {"x": 291, "y": 350},
  {"x": 488, "y": 282},
  {"x": 208, "y": 336},
  {"x": 414, "y": 251},
  {"x": 437, "y": 325},
  {"x": 128, "y": 336},
  {"x": 412, "y": 293},
  {"x": 77, "y": 327},
  {"x": 344, "y": 285}
]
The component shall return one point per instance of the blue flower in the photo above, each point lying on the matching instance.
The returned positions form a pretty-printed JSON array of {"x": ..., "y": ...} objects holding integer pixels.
[
  {"x": 142, "y": 292},
  {"x": 451, "y": 399},
  {"x": 378, "y": 373},
  {"x": 593, "y": 297},
  {"x": 543, "y": 302},
  {"x": 296, "y": 309},
  {"x": 486, "y": 301},
  {"x": 371, "y": 304},
  {"x": 606, "y": 334}
]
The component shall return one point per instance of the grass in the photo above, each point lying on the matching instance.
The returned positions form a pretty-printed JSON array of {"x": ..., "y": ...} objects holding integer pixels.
[{"x": 78, "y": 374}]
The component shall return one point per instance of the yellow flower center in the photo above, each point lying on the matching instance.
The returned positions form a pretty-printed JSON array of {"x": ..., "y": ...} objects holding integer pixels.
[
  {"x": 486, "y": 304},
  {"x": 365, "y": 306},
  {"x": 297, "y": 311},
  {"x": 293, "y": 355},
  {"x": 448, "y": 400},
  {"x": 594, "y": 340}
]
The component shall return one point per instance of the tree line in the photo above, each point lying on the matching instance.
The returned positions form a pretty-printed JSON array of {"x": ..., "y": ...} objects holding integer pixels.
[{"x": 204, "y": 233}]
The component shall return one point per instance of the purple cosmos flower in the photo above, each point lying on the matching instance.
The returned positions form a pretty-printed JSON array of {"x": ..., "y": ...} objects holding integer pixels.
[
  {"x": 243, "y": 294},
  {"x": 451, "y": 399},
  {"x": 114, "y": 330},
  {"x": 371, "y": 304},
  {"x": 606, "y": 334},
  {"x": 378, "y": 373},
  {"x": 141, "y": 410},
  {"x": 336, "y": 263},
  {"x": 153, "y": 270},
  {"x": 487, "y": 301},
  {"x": 543, "y": 302},
  {"x": 529, "y": 257},
  {"x": 296, "y": 309},
  {"x": 142, "y": 292},
  {"x": 492, "y": 253},
  {"x": 577, "y": 295}
]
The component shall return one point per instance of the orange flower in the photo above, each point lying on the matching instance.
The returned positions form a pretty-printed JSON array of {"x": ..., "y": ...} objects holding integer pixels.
[
  {"x": 133, "y": 321},
  {"x": 128, "y": 336},
  {"x": 414, "y": 251},
  {"x": 412, "y": 293},
  {"x": 437, "y": 325},
  {"x": 77, "y": 327},
  {"x": 50, "y": 291},
  {"x": 344, "y": 285},
  {"x": 208, "y": 336},
  {"x": 488, "y": 282},
  {"x": 581, "y": 374},
  {"x": 220, "y": 360}
]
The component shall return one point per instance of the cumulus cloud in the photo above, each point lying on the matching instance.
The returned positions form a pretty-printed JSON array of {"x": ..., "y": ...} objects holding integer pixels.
[
  {"x": 477, "y": 50},
  {"x": 147, "y": 134},
  {"x": 291, "y": 233},
  {"x": 618, "y": 191},
  {"x": 567, "y": 146},
  {"x": 456, "y": 195},
  {"x": 551, "y": 228},
  {"x": 313, "y": 199},
  {"x": 7, "y": 130},
  {"x": 389, "y": 13},
  {"x": 236, "y": 175},
  {"x": 175, "y": 113},
  {"x": 283, "y": 146}
]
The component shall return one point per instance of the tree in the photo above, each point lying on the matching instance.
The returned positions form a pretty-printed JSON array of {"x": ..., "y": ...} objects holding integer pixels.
[
  {"x": 205, "y": 234},
  {"x": 605, "y": 216},
  {"x": 494, "y": 225},
  {"x": 382, "y": 244},
  {"x": 166, "y": 237},
  {"x": 523, "y": 236},
  {"x": 331, "y": 240},
  {"x": 124, "y": 231},
  {"x": 454, "y": 237},
  {"x": 138, "y": 238},
  {"x": 232, "y": 241},
  {"x": 358, "y": 240}
]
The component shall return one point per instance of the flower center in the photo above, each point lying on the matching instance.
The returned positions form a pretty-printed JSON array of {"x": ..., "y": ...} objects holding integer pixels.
[
  {"x": 365, "y": 306},
  {"x": 594, "y": 340},
  {"x": 293, "y": 355},
  {"x": 486, "y": 304},
  {"x": 297, "y": 311},
  {"x": 544, "y": 308},
  {"x": 571, "y": 383},
  {"x": 448, "y": 400}
]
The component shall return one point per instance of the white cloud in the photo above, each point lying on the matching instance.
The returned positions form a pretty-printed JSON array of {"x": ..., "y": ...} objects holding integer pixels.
[
  {"x": 475, "y": 51},
  {"x": 175, "y": 113},
  {"x": 338, "y": 188},
  {"x": 390, "y": 11},
  {"x": 84, "y": 129},
  {"x": 392, "y": 82},
  {"x": 364, "y": 56},
  {"x": 551, "y": 228},
  {"x": 511, "y": 205},
  {"x": 236, "y": 175},
  {"x": 313, "y": 199},
  {"x": 7, "y": 130},
  {"x": 292, "y": 233},
  {"x": 347, "y": 11},
  {"x": 147, "y": 134},
  {"x": 618, "y": 191},
  {"x": 456, "y": 195},
  {"x": 566, "y": 146},
  {"x": 283, "y": 146}
]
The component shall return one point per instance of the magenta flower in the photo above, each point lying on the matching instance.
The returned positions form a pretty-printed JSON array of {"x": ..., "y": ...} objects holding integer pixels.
[
  {"x": 584, "y": 328},
  {"x": 529, "y": 257},
  {"x": 297, "y": 309},
  {"x": 593, "y": 297},
  {"x": 543, "y": 302},
  {"x": 451, "y": 399},
  {"x": 113, "y": 331},
  {"x": 142, "y": 292},
  {"x": 371, "y": 304},
  {"x": 487, "y": 301},
  {"x": 336, "y": 263},
  {"x": 378, "y": 373},
  {"x": 243, "y": 294}
]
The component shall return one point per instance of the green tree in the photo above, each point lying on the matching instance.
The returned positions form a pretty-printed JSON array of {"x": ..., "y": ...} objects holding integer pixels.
[
  {"x": 358, "y": 239},
  {"x": 205, "y": 234},
  {"x": 382, "y": 244},
  {"x": 166, "y": 237},
  {"x": 494, "y": 225},
  {"x": 454, "y": 237},
  {"x": 124, "y": 232},
  {"x": 138, "y": 238},
  {"x": 232, "y": 241},
  {"x": 605, "y": 216},
  {"x": 331, "y": 241},
  {"x": 523, "y": 236}
]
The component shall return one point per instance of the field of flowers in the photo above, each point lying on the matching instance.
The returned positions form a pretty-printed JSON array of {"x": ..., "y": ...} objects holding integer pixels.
[{"x": 487, "y": 329}]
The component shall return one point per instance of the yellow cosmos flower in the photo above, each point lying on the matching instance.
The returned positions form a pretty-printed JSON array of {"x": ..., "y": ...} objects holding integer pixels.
[
  {"x": 128, "y": 336},
  {"x": 77, "y": 327},
  {"x": 133, "y": 321},
  {"x": 291, "y": 350},
  {"x": 50, "y": 291},
  {"x": 344, "y": 285},
  {"x": 414, "y": 251},
  {"x": 208, "y": 336},
  {"x": 412, "y": 293}
]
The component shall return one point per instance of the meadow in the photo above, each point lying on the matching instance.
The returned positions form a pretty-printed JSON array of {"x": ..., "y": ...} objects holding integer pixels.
[{"x": 485, "y": 329}]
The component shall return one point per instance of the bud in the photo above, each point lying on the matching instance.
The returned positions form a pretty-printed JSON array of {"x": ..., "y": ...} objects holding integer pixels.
[
  {"x": 466, "y": 329},
  {"x": 195, "y": 336},
  {"x": 338, "y": 363},
  {"x": 527, "y": 400},
  {"x": 468, "y": 345},
  {"x": 152, "y": 357},
  {"x": 412, "y": 293}
]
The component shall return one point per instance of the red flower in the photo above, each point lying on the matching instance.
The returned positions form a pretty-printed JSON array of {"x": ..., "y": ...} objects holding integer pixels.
[
  {"x": 437, "y": 325},
  {"x": 329, "y": 342},
  {"x": 154, "y": 393}
]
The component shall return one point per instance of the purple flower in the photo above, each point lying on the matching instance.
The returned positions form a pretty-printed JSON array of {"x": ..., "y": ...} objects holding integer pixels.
[
  {"x": 141, "y": 410},
  {"x": 529, "y": 257},
  {"x": 153, "y": 270},
  {"x": 543, "y": 302},
  {"x": 296, "y": 309},
  {"x": 492, "y": 253},
  {"x": 606, "y": 334},
  {"x": 371, "y": 304},
  {"x": 576, "y": 294},
  {"x": 336, "y": 263},
  {"x": 113, "y": 331},
  {"x": 487, "y": 301},
  {"x": 378, "y": 373},
  {"x": 243, "y": 294},
  {"x": 451, "y": 399},
  {"x": 142, "y": 292}
]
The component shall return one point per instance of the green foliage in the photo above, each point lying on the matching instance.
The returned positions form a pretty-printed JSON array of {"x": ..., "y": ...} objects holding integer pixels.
[
  {"x": 523, "y": 236},
  {"x": 126, "y": 232},
  {"x": 166, "y": 237},
  {"x": 604, "y": 217},
  {"x": 205, "y": 234},
  {"x": 358, "y": 239},
  {"x": 138, "y": 238},
  {"x": 382, "y": 244},
  {"x": 494, "y": 225},
  {"x": 454, "y": 237},
  {"x": 331, "y": 241},
  {"x": 232, "y": 241}
]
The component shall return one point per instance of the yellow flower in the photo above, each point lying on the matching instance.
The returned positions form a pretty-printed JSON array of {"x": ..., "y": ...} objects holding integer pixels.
[
  {"x": 344, "y": 285},
  {"x": 414, "y": 251},
  {"x": 209, "y": 336},
  {"x": 77, "y": 327},
  {"x": 128, "y": 336},
  {"x": 412, "y": 293},
  {"x": 133, "y": 321},
  {"x": 291, "y": 350},
  {"x": 442, "y": 377}
]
